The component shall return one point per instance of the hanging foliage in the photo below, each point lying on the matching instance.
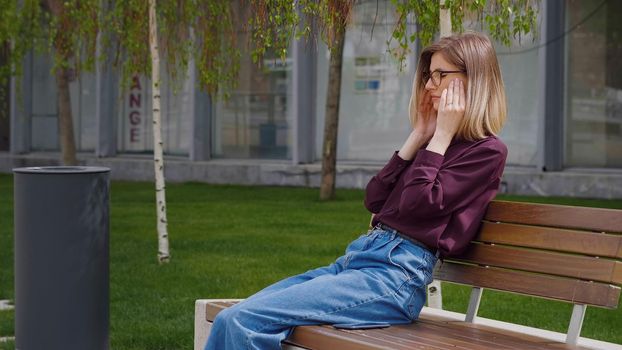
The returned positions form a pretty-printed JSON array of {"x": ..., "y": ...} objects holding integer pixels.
[
  {"x": 187, "y": 29},
  {"x": 73, "y": 27},
  {"x": 20, "y": 20},
  {"x": 504, "y": 19},
  {"x": 274, "y": 23}
]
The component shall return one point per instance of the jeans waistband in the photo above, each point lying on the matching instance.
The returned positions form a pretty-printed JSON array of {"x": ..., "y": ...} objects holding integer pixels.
[{"x": 405, "y": 237}]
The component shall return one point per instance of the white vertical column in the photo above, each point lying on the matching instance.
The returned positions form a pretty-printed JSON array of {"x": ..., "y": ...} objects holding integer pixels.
[
  {"x": 303, "y": 107},
  {"x": 445, "y": 20}
]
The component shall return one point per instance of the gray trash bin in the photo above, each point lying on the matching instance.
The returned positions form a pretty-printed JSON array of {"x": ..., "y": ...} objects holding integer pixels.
[{"x": 61, "y": 258}]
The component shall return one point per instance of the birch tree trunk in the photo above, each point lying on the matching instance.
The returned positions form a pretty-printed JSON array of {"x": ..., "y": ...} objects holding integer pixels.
[
  {"x": 331, "y": 120},
  {"x": 158, "y": 158}
]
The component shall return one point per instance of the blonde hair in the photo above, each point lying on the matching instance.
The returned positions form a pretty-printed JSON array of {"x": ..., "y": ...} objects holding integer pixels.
[{"x": 485, "y": 109}]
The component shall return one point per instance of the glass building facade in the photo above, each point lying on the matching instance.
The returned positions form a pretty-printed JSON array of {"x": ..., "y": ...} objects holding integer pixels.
[
  {"x": 373, "y": 119},
  {"x": 277, "y": 110}
]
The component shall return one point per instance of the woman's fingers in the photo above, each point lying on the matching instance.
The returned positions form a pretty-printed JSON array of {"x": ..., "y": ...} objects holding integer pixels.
[
  {"x": 455, "y": 96},
  {"x": 462, "y": 95},
  {"x": 451, "y": 108},
  {"x": 457, "y": 92},
  {"x": 450, "y": 93},
  {"x": 443, "y": 101}
]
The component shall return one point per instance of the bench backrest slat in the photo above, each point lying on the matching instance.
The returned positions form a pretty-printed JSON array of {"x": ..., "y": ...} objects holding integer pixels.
[
  {"x": 562, "y": 216},
  {"x": 566, "y": 253},
  {"x": 571, "y": 241},
  {"x": 575, "y": 266},
  {"x": 566, "y": 289}
]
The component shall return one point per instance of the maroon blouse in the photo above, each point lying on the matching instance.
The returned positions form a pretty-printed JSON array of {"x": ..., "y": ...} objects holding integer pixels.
[{"x": 439, "y": 200}]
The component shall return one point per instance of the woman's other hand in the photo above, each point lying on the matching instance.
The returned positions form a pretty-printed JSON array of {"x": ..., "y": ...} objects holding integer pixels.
[
  {"x": 426, "y": 117},
  {"x": 424, "y": 128}
]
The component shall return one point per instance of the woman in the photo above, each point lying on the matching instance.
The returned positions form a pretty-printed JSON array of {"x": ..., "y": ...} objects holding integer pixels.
[{"x": 428, "y": 202}]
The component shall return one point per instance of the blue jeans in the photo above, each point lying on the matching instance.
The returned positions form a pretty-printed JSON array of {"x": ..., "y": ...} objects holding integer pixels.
[{"x": 381, "y": 279}]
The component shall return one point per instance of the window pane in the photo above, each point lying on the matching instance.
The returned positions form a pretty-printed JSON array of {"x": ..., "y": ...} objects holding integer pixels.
[
  {"x": 524, "y": 88},
  {"x": 177, "y": 103},
  {"x": 255, "y": 121},
  {"x": 44, "y": 133},
  {"x": 520, "y": 70},
  {"x": 373, "y": 115},
  {"x": 85, "y": 124},
  {"x": 594, "y": 85}
]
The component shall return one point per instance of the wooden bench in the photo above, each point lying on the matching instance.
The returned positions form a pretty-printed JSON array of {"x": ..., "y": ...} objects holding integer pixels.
[{"x": 573, "y": 254}]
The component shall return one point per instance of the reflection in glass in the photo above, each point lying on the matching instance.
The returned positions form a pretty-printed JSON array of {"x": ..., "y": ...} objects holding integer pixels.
[
  {"x": 254, "y": 121},
  {"x": 594, "y": 85},
  {"x": 373, "y": 115}
]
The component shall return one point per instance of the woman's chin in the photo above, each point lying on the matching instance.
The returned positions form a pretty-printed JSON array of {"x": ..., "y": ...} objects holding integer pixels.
[{"x": 435, "y": 106}]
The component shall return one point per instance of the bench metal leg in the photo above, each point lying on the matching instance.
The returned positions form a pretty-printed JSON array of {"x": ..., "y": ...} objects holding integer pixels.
[
  {"x": 576, "y": 322},
  {"x": 476, "y": 297}
]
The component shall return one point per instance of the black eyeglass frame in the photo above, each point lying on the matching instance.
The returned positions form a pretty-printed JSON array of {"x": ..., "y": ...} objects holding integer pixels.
[{"x": 430, "y": 75}]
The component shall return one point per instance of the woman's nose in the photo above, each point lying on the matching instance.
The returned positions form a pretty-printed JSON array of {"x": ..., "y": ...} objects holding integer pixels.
[{"x": 429, "y": 85}]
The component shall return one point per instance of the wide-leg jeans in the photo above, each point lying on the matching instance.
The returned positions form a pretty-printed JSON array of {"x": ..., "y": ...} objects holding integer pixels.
[{"x": 381, "y": 279}]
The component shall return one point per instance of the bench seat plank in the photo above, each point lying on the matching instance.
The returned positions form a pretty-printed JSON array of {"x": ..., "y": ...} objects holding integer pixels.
[
  {"x": 571, "y": 241},
  {"x": 575, "y": 266},
  {"x": 471, "y": 335},
  {"x": 430, "y": 332},
  {"x": 546, "y": 286},
  {"x": 327, "y": 337},
  {"x": 437, "y": 332},
  {"x": 562, "y": 216}
]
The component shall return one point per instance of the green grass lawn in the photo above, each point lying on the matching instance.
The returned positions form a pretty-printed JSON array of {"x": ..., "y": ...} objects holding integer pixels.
[{"x": 230, "y": 241}]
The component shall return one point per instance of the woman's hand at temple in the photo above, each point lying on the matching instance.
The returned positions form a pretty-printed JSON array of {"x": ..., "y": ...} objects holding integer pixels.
[{"x": 450, "y": 114}]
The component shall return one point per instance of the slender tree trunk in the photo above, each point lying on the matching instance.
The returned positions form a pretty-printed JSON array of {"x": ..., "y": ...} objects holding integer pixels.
[
  {"x": 65, "y": 120},
  {"x": 331, "y": 120},
  {"x": 158, "y": 158}
]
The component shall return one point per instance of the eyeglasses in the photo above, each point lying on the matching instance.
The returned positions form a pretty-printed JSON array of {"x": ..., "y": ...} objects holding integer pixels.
[{"x": 438, "y": 75}]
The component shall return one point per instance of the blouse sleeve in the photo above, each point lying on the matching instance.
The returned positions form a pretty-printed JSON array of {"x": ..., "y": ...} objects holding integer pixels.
[
  {"x": 433, "y": 190},
  {"x": 380, "y": 186}
]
